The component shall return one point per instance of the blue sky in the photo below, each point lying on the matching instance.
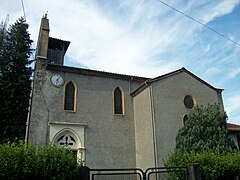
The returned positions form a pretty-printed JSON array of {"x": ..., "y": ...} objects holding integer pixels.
[{"x": 145, "y": 37}]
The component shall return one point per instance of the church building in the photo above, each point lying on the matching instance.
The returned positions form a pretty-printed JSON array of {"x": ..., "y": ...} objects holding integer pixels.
[{"x": 109, "y": 120}]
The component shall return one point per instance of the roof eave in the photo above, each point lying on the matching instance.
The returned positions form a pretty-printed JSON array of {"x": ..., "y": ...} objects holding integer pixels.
[
  {"x": 150, "y": 81},
  {"x": 89, "y": 72}
]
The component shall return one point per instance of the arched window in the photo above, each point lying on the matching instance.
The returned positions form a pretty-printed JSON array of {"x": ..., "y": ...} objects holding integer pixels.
[
  {"x": 70, "y": 96},
  {"x": 118, "y": 101},
  {"x": 185, "y": 118},
  {"x": 70, "y": 135},
  {"x": 68, "y": 138}
]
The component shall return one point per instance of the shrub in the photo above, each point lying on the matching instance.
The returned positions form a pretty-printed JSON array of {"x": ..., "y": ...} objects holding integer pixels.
[
  {"x": 204, "y": 139},
  {"x": 213, "y": 164},
  {"x": 46, "y": 162},
  {"x": 205, "y": 129}
]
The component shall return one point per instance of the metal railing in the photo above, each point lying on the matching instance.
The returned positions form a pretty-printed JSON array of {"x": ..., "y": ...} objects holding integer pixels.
[{"x": 190, "y": 172}]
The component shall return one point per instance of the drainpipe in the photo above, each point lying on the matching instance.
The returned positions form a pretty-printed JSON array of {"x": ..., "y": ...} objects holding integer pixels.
[
  {"x": 129, "y": 85},
  {"x": 153, "y": 125},
  {"x": 220, "y": 100},
  {"x": 29, "y": 109}
]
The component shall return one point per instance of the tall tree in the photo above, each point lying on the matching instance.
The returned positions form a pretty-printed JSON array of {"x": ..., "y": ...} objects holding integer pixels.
[
  {"x": 3, "y": 30},
  {"x": 15, "y": 82},
  {"x": 205, "y": 129}
]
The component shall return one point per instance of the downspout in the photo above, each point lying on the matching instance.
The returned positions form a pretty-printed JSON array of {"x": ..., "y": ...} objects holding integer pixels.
[
  {"x": 153, "y": 125},
  {"x": 30, "y": 107},
  {"x": 129, "y": 85},
  {"x": 29, "y": 115},
  {"x": 220, "y": 100}
]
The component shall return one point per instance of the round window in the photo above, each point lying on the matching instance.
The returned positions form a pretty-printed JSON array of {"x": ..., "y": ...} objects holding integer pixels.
[{"x": 189, "y": 102}]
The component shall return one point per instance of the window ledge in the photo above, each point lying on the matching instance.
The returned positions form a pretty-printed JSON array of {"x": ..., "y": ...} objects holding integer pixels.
[
  {"x": 68, "y": 123},
  {"x": 119, "y": 114}
]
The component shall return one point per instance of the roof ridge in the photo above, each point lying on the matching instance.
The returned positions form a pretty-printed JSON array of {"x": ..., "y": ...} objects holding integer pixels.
[
  {"x": 85, "y": 71},
  {"x": 183, "y": 69}
]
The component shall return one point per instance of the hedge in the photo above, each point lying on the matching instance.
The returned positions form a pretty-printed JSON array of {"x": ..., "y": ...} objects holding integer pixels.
[
  {"x": 213, "y": 165},
  {"x": 45, "y": 162}
]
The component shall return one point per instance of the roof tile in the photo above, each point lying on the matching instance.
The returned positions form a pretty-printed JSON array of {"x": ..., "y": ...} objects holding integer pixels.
[{"x": 233, "y": 127}]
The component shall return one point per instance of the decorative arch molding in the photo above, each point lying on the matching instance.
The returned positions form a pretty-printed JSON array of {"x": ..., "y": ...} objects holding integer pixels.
[{"x": 69, "y": 134}]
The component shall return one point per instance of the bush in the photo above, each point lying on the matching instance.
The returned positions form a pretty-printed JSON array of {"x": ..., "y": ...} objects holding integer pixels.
[
  {"x": 205, "y": 129},
  {"x": 46, "y": 162},
  {"x": 213, "y": 165}
]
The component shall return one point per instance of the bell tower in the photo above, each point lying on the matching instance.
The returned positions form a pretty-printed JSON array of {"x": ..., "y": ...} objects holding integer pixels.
[
  {"x": 37, "y": 121},
  {"x": 48, "y": 51},
  {"x": 56, "y": 51},
  {"x": 42, "y": 43}
]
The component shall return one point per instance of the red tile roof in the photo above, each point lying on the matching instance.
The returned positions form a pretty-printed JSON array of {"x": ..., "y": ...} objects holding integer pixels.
[{"x": 233, "y": 127}]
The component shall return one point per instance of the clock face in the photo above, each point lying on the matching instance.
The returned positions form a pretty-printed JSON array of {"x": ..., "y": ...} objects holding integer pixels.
[{"x": 57, "y": 80}]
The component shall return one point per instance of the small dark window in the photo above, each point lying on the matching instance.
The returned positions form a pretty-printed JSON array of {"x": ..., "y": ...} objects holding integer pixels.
[
  {"x": 189, "y": 102},
  {"x": 185, "y": 118},
  {"x": 118, "y": 101},
  {"x": 69, "y": 96}
]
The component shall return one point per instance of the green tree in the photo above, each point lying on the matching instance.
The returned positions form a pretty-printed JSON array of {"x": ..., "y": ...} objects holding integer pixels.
[
  {"x": 205, "y": 129},
  {"x": 3, "y": 30},
  {"x": 15, "y": 82}
]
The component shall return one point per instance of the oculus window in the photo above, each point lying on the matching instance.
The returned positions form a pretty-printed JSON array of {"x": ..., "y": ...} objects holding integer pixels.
[
  {"x": 189, "y": 102},
  {"x": 70, "y": 99},
  {"x": 118, "y": 101}
]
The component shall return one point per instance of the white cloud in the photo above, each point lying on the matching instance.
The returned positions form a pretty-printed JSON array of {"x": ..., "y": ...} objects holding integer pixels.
[
  {"x": 138, "y": 37},
  {"x": 212, "y": 72},
  {"x": 219, "y": 9},
  {"x": 232, "y": 106},
  {"x": 206, "y": 10},
  {"x": 234, "y": 73},
  {"x": 123, "y": 32}
]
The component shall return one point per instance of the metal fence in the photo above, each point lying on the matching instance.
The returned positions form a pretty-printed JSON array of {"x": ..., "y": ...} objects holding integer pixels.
[
  {"x": 167, "y": 173},
  {"x": 116, "y": 174},
  {"x": 190, "y": 172}
]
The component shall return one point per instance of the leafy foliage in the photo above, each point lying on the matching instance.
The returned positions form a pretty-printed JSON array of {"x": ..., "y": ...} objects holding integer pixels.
[
  {"x": 46, "y": 162},
  {"x": 205, "y": 140},
  {"x": 3, "y": 26},
  {"x": 15, "y": 83},
  {"x": 205, "y": 130},
  {"x": 213, "y": 164}
]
